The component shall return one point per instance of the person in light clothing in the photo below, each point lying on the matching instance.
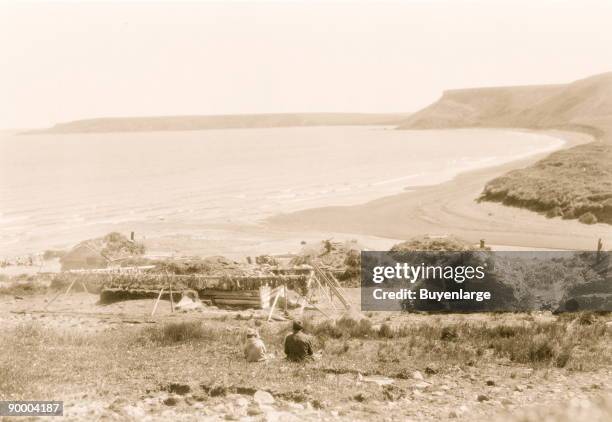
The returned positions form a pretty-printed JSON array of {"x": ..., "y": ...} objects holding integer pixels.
[{"x": 255, "y": 349}]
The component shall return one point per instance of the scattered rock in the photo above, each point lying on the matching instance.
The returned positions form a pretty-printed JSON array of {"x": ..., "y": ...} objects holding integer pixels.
[
  {"x": 263, "y": 397},
  {"x": 482, "y": 397},
  {"x": 254, "y": 411},
  {"x": 421, "y": 385},
  {"x": 490, "y": 382},
  {"x": 417, "y": 376},
  {"x": 506, "y": 402},
  {"x": 452, "y": 414},
  {"x": 360, "y": 397},
  {"x": 519, "y": 388},
  {"x": 171, "y": 401},
  {"x": 295, "y": 406}
]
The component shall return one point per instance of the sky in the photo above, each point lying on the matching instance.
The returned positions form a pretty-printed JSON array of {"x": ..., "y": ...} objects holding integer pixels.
[{"x": 73, "y": 60}]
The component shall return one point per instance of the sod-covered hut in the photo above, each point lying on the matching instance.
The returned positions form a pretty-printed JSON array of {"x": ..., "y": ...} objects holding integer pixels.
[{"x": 100, "y": 252}]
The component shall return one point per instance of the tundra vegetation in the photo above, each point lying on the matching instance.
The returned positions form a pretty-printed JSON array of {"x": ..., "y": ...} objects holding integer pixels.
[{"x": 421, "y": 357}]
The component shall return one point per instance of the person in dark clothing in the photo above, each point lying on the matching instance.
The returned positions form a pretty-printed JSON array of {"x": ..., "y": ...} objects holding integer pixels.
[{"x": 298, "y": 345}]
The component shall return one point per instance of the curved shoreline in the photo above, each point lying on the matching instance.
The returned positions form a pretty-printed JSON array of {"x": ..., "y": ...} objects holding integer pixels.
[{"x": 450, "y": 208}]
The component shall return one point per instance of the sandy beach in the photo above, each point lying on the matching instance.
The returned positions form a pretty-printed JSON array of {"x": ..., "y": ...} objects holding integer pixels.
[{"x": 450, "y": 208}]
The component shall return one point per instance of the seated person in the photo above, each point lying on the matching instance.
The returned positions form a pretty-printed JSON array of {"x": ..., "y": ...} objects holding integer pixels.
[
  {"x": 298, "y": 345},
  {"x": 255, "y": 349}
]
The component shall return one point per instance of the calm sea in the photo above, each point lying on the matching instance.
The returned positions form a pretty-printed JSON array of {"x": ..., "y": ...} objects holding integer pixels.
[{"x": 58, "y": 189}]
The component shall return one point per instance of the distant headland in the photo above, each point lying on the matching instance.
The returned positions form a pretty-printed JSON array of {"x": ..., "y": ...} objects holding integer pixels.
[{"x": 230, "y": 121}]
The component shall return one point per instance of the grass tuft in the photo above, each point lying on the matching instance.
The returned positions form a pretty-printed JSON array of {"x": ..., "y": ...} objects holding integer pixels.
[{"x": 179, "y": 332}]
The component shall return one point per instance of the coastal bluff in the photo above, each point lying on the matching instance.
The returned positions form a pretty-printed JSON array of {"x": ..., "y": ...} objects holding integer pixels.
[{"x": 575, "y": 183}]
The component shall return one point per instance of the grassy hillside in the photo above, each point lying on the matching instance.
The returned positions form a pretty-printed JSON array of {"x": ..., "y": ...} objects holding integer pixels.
[
  {"x": 178, "y": 123},
  {"x": 574, "y": 183}
]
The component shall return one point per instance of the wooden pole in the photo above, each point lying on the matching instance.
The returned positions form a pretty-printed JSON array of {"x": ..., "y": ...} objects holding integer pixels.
[
  {"x": 322, "y": 290},
  {"x": 59, "y": 293},
  {"x": 336, "y": 283},
  {"x": 170, "y": 288},
  {"x": 285, "y": 295},
  {"x": 328, "y": 284},
  {"x": 157, "y": 301},
  {"x": 332, "y": 287},
  {"x": 52, "y": 300},
  {"x": 309, "y": 283},
  {"x": 342, "y": 299},
  {"x": 274, "y": 304},
  {"x": 599, "y": 248},
  {"x": 314, "y": 306},
  {"x": 70, "y": 287}
]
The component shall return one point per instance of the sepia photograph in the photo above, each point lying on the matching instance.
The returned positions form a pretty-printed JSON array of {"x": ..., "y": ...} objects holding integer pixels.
[{"x": 306, "y": 210}]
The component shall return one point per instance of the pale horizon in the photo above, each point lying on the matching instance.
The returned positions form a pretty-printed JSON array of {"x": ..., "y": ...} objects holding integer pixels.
[{"x": 71, "y": 61}]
